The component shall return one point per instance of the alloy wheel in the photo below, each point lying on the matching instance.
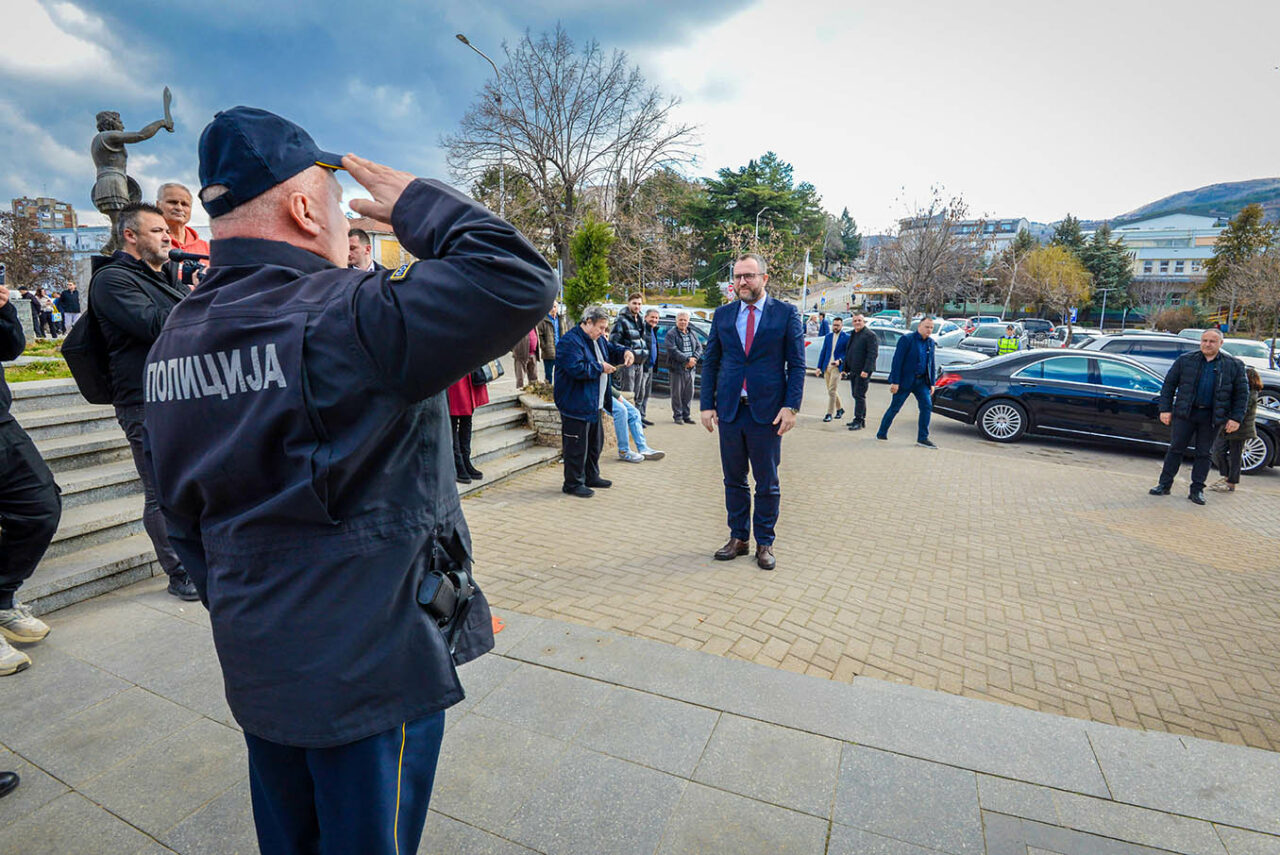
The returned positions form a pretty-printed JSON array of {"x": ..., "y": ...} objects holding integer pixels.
[{"x": 1001, "y": 421}]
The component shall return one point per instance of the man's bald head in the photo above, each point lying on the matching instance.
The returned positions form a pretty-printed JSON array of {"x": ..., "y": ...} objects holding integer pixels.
[{"x": 304, "y": 210}]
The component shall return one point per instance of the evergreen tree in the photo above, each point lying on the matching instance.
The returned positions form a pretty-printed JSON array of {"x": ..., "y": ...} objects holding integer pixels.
[
  {"x": 1109, "y": 263},
  {"x": 1245, "y": 236},
  {"x": 1068, "y": 234},
  {"x": 590, "y": 250},
  {"x": 849, "y": 237}
]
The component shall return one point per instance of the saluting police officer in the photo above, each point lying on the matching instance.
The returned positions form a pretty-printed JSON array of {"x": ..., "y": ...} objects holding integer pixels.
[{"x": 297, "y": 426}]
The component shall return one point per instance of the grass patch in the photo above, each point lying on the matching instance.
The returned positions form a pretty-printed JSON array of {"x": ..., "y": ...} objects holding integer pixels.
[
  {"x": 37, "y": 371},
  {"x": 43, "y": 347}
]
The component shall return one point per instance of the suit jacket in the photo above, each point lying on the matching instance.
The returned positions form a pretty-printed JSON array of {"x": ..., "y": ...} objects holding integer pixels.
[
  {"x": 906, "y": 361},
  {"x": 841, "y": 343},
  {"x": 774, "y": 372},
  {"x": 824, "y": 327}
]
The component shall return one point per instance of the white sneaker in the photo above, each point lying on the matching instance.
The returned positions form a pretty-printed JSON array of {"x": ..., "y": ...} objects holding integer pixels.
[
  {"x": 11, "y": 661},
  {"x": 630, "y": 457},
  {"x": 18, "y": 624},
  {"x": 650, "y": 454}
]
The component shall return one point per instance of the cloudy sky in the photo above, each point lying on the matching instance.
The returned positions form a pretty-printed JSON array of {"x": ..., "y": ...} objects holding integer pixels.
[{"x": 1026, "y": 109}]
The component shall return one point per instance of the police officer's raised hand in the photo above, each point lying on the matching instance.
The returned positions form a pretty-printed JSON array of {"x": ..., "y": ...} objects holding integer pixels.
[{"x": 383, "y": 182}]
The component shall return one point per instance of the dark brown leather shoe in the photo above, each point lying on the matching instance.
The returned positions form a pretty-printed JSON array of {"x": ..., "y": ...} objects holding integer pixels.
[
  {"x": 764, "y": 557},
  {"x": 732, "y": 550}
]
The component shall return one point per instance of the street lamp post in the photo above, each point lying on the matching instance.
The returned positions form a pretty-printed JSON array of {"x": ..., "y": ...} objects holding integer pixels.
[
  {"x": 497, "y": 99},
  {"x": 762, "y": 210}
]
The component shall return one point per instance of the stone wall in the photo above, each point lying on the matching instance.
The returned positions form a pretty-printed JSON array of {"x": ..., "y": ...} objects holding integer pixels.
[{"x": 544, "y": 418}]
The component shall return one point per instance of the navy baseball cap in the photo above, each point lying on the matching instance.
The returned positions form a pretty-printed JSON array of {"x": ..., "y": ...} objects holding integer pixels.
[{"x": 249, "y": 151}]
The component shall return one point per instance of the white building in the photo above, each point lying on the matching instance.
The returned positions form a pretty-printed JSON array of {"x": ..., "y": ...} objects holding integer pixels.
[{"x": 1172, "y": 248}]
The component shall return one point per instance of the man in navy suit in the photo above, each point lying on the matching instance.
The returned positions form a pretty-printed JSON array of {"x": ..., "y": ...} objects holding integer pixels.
[
  {"x": 752, "y": 382},
  {"x": 913, "y": 373},
  {"x": 830, "y": 366}
]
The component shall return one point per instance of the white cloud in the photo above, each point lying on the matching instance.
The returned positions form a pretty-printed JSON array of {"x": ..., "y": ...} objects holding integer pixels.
[{"x": 53, "y": 44}]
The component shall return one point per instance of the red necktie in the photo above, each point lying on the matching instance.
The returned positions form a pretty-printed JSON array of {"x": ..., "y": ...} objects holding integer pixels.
[{"x": 751, "y": 334}]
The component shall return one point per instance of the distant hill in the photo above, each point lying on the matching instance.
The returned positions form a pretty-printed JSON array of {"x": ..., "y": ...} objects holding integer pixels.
[{"x": 1215, "y": 200}]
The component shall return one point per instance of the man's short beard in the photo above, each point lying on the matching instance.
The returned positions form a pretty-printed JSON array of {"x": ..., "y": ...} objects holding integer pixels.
[{"x": 160, "y": 257}]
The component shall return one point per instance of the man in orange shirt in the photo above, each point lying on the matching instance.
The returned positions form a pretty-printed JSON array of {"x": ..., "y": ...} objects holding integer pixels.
[{"x": 175, "y": 201}]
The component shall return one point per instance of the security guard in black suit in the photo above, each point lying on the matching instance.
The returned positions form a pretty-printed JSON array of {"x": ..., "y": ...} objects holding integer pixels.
[{"x": 297, "y": 426}]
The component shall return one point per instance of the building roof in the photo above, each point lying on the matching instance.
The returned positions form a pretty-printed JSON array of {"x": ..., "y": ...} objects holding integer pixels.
[
  {"x": 1171, "y": 253},
  {"x": 370, "y": 225},
  {"x": 1170, "y": 221}
]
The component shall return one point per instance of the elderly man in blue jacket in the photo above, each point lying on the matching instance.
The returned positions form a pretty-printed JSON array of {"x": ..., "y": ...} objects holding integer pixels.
[
  {"x": 913, "y": 373},
  {"x": 585, "y": 358}
]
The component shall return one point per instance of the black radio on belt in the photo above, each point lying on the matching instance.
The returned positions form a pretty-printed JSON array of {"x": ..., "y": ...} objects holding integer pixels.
[{"x": 446, "y": 590}]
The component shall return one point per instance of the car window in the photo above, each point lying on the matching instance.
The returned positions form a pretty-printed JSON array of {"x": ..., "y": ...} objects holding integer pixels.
[
  {"x": 1120, "y": 376},
  {"x": 1251, "y": 349},
  {"x": 1117, "y": 346},
  {"x": 1162, "y": 349},
  {"x": 1066, "y": 369}
]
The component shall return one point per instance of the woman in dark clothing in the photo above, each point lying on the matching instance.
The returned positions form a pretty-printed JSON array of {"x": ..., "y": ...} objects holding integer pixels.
[
  {"x": 1228, "y": 448},
  {"x": 464, "y": 397}
]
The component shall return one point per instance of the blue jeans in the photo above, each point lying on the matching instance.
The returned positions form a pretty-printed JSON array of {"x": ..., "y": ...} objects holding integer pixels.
[
  {"x": 924, "y": 400},
  {"x": 626, "y": 415}
]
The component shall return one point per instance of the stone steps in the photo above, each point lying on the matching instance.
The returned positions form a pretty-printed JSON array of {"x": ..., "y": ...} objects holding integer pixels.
[
  {"x": 76, "y": 576},
  {"x": 94, "y": 448},
  {"x": 66, "y": 421},
  {"x": 96, "y": 524},
  {"x": 502, "y": 468},
  {"x": 45, "y": 395},
  {"x": 98, "y": 483}
]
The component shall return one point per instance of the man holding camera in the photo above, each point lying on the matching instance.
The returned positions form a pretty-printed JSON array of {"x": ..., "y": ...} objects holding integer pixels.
[
  {"x": 131, "y": 298},
  {"x": 307, "y": 471}
]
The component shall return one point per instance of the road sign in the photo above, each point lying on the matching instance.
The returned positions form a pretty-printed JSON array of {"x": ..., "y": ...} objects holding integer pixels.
[{"x": 1075, "y": 314}]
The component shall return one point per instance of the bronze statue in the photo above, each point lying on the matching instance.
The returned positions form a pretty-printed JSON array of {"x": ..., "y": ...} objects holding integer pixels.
[{"x": 114, "y": 189}]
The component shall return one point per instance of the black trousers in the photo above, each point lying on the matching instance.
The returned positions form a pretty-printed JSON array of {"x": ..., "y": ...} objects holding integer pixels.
[
  {"x": 1197, "y": 429},
  {"x": 858, "y": 385},
  {"x": 130, "y": 419},
  {"x": 461, "y": 442},
  {"x": 581, "y": 443},
  {"x": 1228, "y": 456},
  {"x": 30, "y": 508}
]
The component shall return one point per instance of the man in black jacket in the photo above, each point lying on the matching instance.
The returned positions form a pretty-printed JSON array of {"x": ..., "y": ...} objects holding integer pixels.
[
  {"x": 1203, "y": 390},
  {"x": 132, "y": 297},
  {"x": 860, "y": 363},
  {"x": 629, "y": 334},
  {"x": 30, "y": 508}
]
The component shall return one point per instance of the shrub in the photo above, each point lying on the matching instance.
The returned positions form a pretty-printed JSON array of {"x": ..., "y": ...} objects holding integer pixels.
[{"x": 1176, "y": 319}]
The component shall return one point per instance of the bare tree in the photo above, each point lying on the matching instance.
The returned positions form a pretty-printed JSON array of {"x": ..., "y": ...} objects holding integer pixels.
[
  {"x": 1151, "y": 296},
  {"x": 1059, "y": 280},
  {"x": 31, "y": 257},
  {"x": 930, "y": 259},
  {"x": 582, "y": 128}
]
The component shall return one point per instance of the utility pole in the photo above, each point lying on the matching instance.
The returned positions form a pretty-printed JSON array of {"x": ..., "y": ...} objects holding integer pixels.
[
  {"x": 762, "y": 210},
  {"x": 497, "y": 99},
  {"x": 1102, "y": 321}
]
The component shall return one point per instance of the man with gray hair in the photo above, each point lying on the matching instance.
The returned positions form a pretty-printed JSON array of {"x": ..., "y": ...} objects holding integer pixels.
[
  {"x": 585, "y": 358},
  {"x": 682, "y": 350},
  {"x": 174, "y": 201}
]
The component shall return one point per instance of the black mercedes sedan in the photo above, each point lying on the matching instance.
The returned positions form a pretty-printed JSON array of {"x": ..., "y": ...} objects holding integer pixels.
[{"x": 1085, "y": 395}]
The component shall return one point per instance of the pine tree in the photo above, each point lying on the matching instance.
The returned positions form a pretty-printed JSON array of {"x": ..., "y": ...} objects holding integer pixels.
[
  {"x": 1245, "y": 236},
  {"x": 1068, "y": 233},
  {"x": 1109, "y": 263},
  {"x": 849, "y": 237},
  {"x": 590, "y": 250}
]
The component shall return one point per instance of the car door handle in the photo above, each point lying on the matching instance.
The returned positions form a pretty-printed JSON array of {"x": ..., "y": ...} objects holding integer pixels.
[
  {"x": 1112, "y": 395},
  {"x": 1025, "y": 383}
]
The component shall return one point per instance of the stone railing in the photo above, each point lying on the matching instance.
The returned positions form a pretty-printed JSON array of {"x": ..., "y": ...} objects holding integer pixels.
[{"x": 544, "y": 418}]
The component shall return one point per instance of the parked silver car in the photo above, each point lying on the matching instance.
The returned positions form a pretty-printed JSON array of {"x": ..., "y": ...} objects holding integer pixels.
[{"x": 888, "y": 340}]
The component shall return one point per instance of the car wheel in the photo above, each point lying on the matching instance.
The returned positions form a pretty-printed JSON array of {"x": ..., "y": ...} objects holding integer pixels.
[
  {"x": 1269, "y": 398},
  {"x": 1002, "y": 421},
  {"x": 1258, "y": 452}
]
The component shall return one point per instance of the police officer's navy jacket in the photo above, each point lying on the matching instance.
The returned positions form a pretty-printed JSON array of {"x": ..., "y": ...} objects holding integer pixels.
[
  {"x": 298, "y": 430},
  {"x": 12, "y": 342}
]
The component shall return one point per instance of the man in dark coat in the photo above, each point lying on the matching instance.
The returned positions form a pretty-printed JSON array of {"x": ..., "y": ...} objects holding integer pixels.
[
  {"x": 1205, "y": 389},
  {"x": 752, "y": 383},
  {"x": 585, "y": 359},
  {"x": 913, "y": 373},
  {"x": 298, "y": 428},
  {"x": 629, "y": 333},
  {"x": 860, "y": 363},
  {"x": 30, "y": 508},
  {"x": 132, "y": 298}
]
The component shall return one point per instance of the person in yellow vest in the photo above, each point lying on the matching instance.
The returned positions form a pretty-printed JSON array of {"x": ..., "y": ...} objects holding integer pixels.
[{"x": 1008, "y": 342}]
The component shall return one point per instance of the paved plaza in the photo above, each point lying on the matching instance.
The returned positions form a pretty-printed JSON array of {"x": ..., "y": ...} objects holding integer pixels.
[
  {"x": 939, "y": 665},
  {"x": 1039, "y": 574}
]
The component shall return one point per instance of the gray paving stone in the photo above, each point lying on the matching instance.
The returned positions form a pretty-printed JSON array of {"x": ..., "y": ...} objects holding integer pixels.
[
  {"x": 588, "y": 798},
  {"x": 784, "y": 767},
  {"x": 1137, "y": 825},
  {"x": 99, "y": 622},
  {"x": 1017, "y": 798},
  {"x": 56, "y": 685},
  {"x": 84, "y": 745},
  {"x": 35, "y": 790},
  {"x": 222, "y": 827},
  {"x": 916, "y": 801},
  {"x": 550, "y": 702},
  {"x": 488, "y": 768},
  {"x": 1008, "y": 835},
  {"x": 650, "y": 730},
  {"x": 979, "y": 735},
  {"x": 517, "y": 628},
  {"x": 846, "y": 840},
  {"x": 480, "y": 677},
  {"x": 444, "y": 835},
  {"x": 1241, "y": 842},
  {"x": 713, "y": 822},
  {"x": 154, "y": 594},
  {"x": 72, "y": 824},
  {"x": 168, "y": 781},
  {"x": 175, "y": 652},
  {"x": 1226, "y": 784},
  {"x": 203, "y": 692}
]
